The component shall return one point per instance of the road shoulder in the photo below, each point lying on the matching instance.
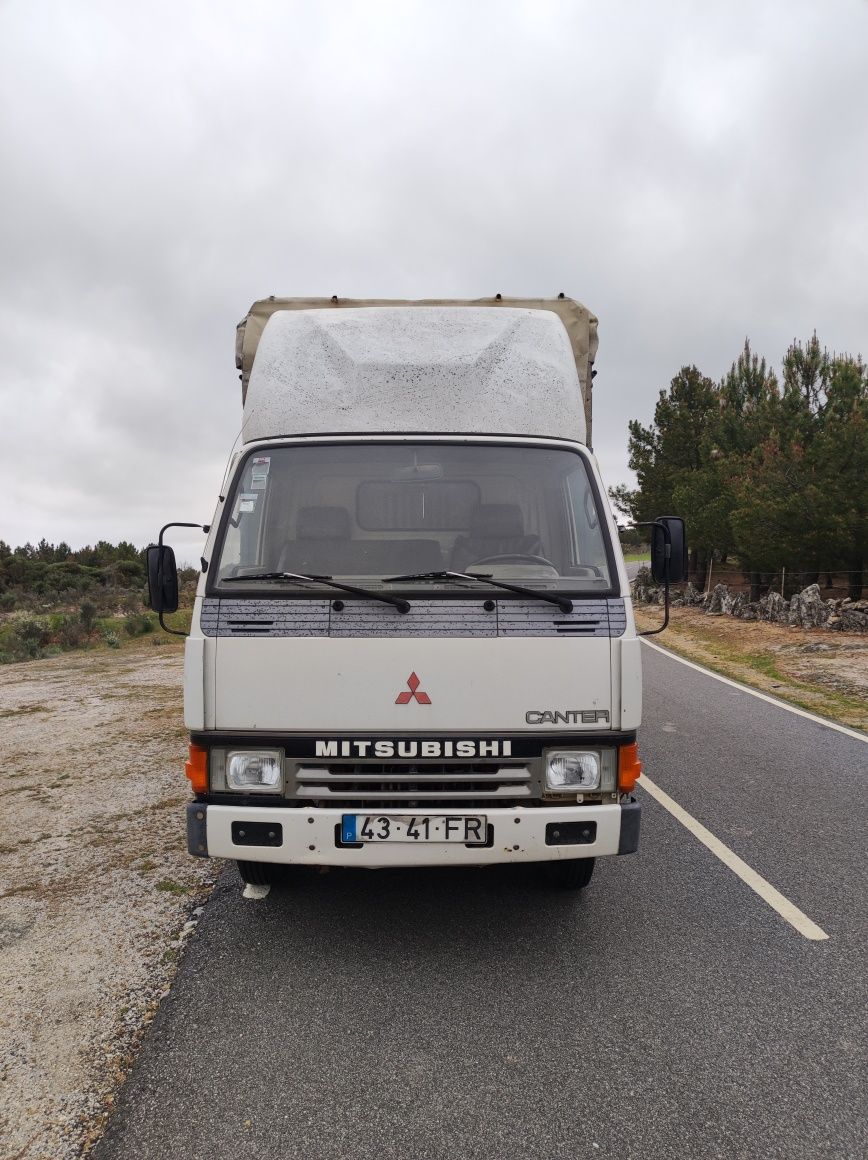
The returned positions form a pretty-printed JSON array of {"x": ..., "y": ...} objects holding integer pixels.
[
  {"x": 825, "y": 673},
  {"x": 97, "y": 892}
]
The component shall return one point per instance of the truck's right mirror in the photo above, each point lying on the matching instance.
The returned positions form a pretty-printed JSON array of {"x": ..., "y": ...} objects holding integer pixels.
[
  {"x": 162, "y": 579},
  {"x": 668, "y": 550}
]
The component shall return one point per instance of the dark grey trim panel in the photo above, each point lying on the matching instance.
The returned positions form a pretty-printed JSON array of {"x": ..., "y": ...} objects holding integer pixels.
[
  {"x": 254, "y": 617},
  {"x": 631, "y": 817},
  {"x": 197, "y": 829},
  {"x": 303, "y": 745}
]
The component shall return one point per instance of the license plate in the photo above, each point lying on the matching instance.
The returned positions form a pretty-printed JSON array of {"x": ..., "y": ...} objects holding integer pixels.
[{"x": 466, "y": 829}]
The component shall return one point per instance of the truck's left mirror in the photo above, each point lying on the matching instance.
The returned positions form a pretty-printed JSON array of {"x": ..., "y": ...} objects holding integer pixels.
[
  {"x": 162, "y": 579},
  {"x": 668, "y": 550}
]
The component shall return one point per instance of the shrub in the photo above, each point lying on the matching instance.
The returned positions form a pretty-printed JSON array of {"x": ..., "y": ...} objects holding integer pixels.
[
  {"x": 87, "y": 615},
  {"x": 21, "y": 648},
  {"x": 70, "y": 632},
  {"x": 8, "y": 600},
  {"x": 137, "y": 624},
  {"x": 33, "y": 632},
  {"x": 111, "y": 640}
]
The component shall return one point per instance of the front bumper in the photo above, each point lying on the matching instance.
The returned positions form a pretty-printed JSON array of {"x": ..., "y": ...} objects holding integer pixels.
[{"x": 311, "y": 836}]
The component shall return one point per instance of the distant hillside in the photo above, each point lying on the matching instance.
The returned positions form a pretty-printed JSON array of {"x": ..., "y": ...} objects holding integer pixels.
[{"x": 53, "y": 599}]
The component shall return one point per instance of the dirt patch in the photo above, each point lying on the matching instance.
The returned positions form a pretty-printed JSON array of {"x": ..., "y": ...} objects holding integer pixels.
[
  {"x": 97, "y": 892},
  {"x": 822, "y": 671}
]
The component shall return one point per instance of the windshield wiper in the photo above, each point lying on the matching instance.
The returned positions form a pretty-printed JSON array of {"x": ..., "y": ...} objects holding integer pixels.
[
  {"x": 563, "y": 602},
  {"x": 297, "y": 577}
]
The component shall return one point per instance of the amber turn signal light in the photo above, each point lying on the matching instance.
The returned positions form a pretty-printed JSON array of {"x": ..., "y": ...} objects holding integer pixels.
[
  {"x": 197, "y": 769},
  {"x": 629, "y": 767}
]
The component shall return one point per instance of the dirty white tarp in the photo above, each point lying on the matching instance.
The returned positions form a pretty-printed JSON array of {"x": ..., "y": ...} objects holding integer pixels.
[
  {"x": 580, "y": 326},
  {"x": 435, "y": 369}
]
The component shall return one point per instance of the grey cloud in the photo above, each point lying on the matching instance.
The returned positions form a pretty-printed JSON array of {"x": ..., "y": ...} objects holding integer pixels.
[{"x": 693, "y": 173}]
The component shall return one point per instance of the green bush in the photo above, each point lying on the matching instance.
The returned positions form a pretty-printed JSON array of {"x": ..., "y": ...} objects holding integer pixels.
[
  {"x": 70, "y": 632},
  {"x": 33, "y": 632},
  {"x": 21, "y": 648},
  {"x": 137, "y": 624},
  {"x": 87, "y": 615},
  {"x": 111, "y": 639}
]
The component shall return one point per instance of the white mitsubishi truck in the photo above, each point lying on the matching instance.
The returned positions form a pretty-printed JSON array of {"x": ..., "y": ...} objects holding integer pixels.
[{"x": 412, "y": 641}]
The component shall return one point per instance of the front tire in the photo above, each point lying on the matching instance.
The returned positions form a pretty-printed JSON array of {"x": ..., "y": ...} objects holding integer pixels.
[
  {"x": 571, "y": 874},
  {"x": 256, "y": 873}
]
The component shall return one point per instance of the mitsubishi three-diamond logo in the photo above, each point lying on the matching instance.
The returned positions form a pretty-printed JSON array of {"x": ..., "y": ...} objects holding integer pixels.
[{"x": 405, "y": 698}]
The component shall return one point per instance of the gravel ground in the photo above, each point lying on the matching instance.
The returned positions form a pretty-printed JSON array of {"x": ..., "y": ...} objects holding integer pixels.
[{"x": 97, "y": 892}]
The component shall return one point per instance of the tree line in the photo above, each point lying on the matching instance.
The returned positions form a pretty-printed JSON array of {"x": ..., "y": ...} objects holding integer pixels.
[
  {"x": 769, "y": 472},
  {"x": 54, "y": 572}
]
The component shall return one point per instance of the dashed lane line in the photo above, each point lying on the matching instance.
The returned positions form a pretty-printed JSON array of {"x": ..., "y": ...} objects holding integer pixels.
[
  {"x": 786, "y": 909},
  {"x": 854, "y": 733}
]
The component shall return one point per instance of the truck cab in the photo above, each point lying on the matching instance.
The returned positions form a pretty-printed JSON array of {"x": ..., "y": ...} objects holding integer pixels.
[{"x": 413, "y": 643}]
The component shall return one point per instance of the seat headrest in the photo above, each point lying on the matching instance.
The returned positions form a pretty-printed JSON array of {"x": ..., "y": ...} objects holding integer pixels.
[
  {"x": 323, "y": 523},
  {"x": 491, "y": 520}
]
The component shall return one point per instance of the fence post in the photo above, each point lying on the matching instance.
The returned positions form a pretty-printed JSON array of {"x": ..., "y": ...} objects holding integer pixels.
[
  {"x": 783, "y": 577},
  {"x": 708, "y": 576}
]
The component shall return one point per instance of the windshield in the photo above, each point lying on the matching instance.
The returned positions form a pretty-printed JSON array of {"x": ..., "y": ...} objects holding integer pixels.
[{"x": 375, "y": 511}]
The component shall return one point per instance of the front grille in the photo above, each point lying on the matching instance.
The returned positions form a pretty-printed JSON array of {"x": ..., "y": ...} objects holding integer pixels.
[{"x": 388, "y": 786}]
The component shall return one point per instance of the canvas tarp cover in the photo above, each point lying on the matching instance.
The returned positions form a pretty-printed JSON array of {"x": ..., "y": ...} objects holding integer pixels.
[{"x": 580, "y": 324}]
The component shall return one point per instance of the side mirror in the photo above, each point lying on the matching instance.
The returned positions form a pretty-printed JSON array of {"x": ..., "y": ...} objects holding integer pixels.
[
  {"x": 668, "y": 550},
  {"x": 162, "y": 579}
]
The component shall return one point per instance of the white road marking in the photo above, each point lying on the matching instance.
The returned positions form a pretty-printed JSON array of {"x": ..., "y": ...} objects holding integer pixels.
[
  {"x": 786, "y": 909},
  {"x": 854, "y": 733}
]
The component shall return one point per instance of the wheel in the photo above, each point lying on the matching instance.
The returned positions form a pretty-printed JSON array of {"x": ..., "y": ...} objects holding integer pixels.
[
  {"x": 513, "y": 558},
  {"x": 256, "y": 873},
  {"x": 571, "y": 874}
]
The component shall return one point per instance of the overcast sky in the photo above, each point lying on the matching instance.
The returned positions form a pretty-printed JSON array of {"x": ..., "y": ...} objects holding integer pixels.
[{"x": 693, "y": 172}]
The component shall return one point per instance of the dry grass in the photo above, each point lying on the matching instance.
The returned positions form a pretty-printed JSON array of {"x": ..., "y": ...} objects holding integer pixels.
[{"x": 824, "y": 672}]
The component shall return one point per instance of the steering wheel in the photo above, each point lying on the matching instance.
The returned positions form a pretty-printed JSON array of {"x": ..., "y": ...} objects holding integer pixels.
[{"x": 513, "y": 558}]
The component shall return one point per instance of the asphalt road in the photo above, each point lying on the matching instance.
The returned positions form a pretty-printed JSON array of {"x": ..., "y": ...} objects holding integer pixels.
[{"x": 667, "y": 1012}]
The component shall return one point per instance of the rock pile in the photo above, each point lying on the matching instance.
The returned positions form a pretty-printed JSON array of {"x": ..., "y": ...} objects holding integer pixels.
[{"x": 806, "y": 609}]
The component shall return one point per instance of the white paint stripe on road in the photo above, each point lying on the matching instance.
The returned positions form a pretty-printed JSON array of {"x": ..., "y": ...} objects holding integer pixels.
[
  {"x": 854, "y": 733},
  {"x": 786, "y": 909}
]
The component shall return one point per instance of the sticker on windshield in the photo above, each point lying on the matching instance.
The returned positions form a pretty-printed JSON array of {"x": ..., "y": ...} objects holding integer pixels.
[{"x": 260, "y": 466}]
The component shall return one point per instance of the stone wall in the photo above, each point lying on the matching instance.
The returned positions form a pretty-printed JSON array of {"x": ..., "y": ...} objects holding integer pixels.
[{"x": 806, "y": 609}]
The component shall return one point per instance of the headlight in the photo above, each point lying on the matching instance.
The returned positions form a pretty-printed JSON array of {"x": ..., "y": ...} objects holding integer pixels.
[
  {"x": 575, "y": 771},
  {"x": 254, "y": 771}
]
